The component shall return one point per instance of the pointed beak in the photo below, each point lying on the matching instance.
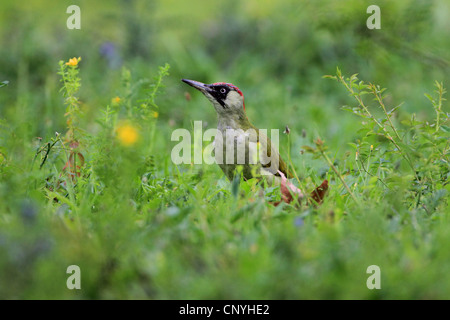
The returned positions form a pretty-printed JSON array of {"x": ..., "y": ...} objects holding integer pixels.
[{"x": 197, "y": 85}]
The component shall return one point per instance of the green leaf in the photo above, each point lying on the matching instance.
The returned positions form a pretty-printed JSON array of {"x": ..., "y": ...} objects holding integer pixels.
[
  {"x": 429, "y": 98},
  {"x": 347, "y": 108},
  {"x": 395, "y": 108},
  {"x": 309, "y": 149},
  {"x": 235, "y": 185},
  {"x": 445, "y": 128},
  {"x": 354, "y": 77}
]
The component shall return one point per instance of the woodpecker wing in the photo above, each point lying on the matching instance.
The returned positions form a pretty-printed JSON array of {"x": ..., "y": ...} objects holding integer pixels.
[{"x": 269, "y": 155}]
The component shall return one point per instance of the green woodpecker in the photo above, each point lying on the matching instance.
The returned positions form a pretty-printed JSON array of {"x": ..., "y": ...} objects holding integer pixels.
[{"x": 238, "y": 142}]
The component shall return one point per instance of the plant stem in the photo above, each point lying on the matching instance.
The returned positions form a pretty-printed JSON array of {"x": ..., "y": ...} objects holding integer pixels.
[
  {"x": 380, "y": 101},
  {"x": 292, "y": 168},
  {"x": 319, "y": 147},
  {"x": 382, "y": 127},
  {"x": 439, "y": 107}
]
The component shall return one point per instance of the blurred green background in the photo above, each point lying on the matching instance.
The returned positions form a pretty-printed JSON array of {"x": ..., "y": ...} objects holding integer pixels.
[{"x": 276, "y": 52}]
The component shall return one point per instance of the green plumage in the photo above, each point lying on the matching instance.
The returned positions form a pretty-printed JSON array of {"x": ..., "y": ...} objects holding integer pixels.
[
  {"x": 266, "y": 144},
  {"x": 228, "y": 101}
]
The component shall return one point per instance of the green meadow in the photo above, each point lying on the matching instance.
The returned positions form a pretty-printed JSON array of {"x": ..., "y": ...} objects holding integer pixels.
[{"x": 87, "y": 178}]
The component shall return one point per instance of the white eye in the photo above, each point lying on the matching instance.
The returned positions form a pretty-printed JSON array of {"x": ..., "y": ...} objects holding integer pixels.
[{"x": 223, "y": 90}]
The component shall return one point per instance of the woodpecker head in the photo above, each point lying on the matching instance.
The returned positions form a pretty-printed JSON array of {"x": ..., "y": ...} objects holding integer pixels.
[{"x": 226, "y": 98}]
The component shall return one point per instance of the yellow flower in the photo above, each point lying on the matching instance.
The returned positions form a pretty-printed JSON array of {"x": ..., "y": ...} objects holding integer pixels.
[
  {"x": 116, "y": 100},
  {"x": 73, "y": 62},
  {"x": 155, "y": 114},
  {"x": 127, "y": 135}
]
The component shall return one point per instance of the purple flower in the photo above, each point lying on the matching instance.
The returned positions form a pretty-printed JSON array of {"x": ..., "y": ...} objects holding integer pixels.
[
  {"x": 108, "y": 50},
  {"x": 298, "y": 222}
]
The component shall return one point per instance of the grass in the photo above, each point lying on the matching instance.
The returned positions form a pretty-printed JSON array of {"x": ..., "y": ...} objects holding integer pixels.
[{"x": 86, "y": 177}]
